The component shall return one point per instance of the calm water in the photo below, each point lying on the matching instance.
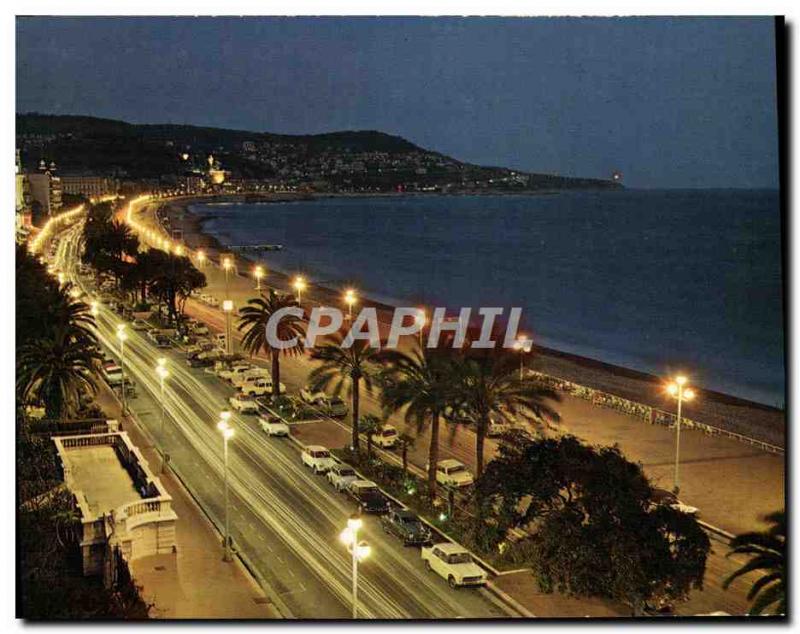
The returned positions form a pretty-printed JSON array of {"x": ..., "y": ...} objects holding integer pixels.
[{"x": 657, "y": 281}]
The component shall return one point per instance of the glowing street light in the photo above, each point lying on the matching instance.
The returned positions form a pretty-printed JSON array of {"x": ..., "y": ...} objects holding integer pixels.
[
  {"x": 122, "y": 336},
  {"x": 94, "y": 308},
  {"x": 350, "y": 299},
  {"x": 258, "y": 273},
  {"x": 61, "y": 279},
  {"x": 679, "y": 389},
  {"x": 163, "y": 373},
  {"x": 360, "y": 550},
  {"x": 226, "y": 264},
  {"x": 179, "y": 250},
  {"x": 421, "y": 319},
  {"x": 227, "y": 433},
  {"x": 201, "y": 258},
  {"x": 523, "y": 345},
  {"x": 299, "y": 285}
]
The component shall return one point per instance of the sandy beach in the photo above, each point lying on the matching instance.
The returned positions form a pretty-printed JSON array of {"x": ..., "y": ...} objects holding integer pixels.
[{"x": 713, "y": 408}]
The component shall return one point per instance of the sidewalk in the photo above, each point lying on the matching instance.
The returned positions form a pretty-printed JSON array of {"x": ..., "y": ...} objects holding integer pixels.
[{"x": 194, "y": 583}]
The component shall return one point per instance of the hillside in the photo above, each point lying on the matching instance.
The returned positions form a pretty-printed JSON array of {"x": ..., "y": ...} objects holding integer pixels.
[{"x": 358, "y": 160}]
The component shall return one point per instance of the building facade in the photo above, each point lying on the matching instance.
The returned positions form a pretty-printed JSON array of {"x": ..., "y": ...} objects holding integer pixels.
[
  {"x": 46, "y": 189},
  {"x": 89, "y": 185}
]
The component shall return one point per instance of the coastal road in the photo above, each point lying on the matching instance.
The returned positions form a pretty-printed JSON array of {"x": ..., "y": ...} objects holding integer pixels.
[
  {"x": 732, "y": 484},
  {"x": 284, "y": 519}
]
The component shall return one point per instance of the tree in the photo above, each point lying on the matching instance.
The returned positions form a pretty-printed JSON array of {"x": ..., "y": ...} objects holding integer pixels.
[
  {"x": 406, "y": 442},
  {"x": 108, "y": 242},
  {"x": 345, "y": 369},
  {"x": 370, "y": 425},
  {"x": 57, "y": 370},
  {"x": 253, "y": 321},
  {"x": 174, "y": 279},
  {"x": 767, "y": 550},
  {"x": 594, "y": 528},
  {"x": 421, "y": 382},
  {"x": 489, "y": 387}
]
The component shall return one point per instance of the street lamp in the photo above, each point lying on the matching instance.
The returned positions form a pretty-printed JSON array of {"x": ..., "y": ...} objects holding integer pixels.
[
  {"x": 201, "y": 258},
  {"x": 94, "y": 308},
  {"x": 299, "y": 285},
  {"x": 523, "y": 345},
  {"x": 163, "y": 373},
  {"x": 226, "y": 264},
  {"x": 122, "y": 336},
  {"x": 679, "y": 389},
  {"x": 258, "y": 272},
  {"x": 360, "y": 550},
  {"x": 420, "y": 319},
  {"x": 227, "y": 308},
  {"x": 350, "y": 299},
  {"x": 227, "y": 433}
]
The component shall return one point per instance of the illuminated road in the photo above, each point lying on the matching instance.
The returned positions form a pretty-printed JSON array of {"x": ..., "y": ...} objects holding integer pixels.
[{"x": 284, "y": 519}]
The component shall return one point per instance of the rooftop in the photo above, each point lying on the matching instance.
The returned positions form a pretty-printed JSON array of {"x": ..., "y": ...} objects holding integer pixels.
[{"x": 99, "y": 474}]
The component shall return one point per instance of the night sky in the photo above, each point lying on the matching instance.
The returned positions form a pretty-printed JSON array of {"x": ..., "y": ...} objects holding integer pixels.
[{"x": 669, "y": 102}]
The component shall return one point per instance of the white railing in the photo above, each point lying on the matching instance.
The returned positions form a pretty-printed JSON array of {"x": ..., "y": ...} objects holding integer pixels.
[{"x": 646, "y": 413}]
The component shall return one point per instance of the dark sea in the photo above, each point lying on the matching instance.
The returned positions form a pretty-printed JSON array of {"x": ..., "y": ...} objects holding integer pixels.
[{"x": 658, "y": 281}]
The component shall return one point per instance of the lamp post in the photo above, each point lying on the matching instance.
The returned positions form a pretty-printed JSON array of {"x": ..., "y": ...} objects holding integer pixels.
[
  {"x": 163, "y": 373},
  {"x": 421, "y": 319},
  {"x": 523, "y": 345},
  {"x": 227, "y": 308},
  {"x": 359, "y": 550},
  {"x": 122, "y": 336},
  {"x": 226, "y": 264},
  {"x": 679, "y": 389},
  {"x": 299, "y": 285},
  {"x": 227, "y": 433},
  {"x": 350, "y": 299},
  {"x": 201, "y": 258},
  {"x": 258, "y": 272},
  {"x": 94, "y": 308}
]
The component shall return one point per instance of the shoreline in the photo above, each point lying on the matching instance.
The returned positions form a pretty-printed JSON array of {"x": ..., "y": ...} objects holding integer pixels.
[{"x": 727, "y": 411}]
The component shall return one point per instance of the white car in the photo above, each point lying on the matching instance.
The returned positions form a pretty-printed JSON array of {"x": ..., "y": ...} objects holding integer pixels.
[
  {"x": 273, "y": 426},
  {"x": 497, "y": 428},
  {"x": 341, "y": 475},
  {"x": 386, "y": 438},
  {"x": 243, "y": 404},
  {"x": 317, "y": 458},
  {"x": 454, "y": 563},
  {"x": 319, "y": 399},
  {"x": 235, "y": 371},
  {"x": 452, "y": 473}
]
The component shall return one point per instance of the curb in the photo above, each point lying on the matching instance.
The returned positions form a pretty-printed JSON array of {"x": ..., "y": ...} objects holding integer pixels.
[{"x": 510, "y": 601}]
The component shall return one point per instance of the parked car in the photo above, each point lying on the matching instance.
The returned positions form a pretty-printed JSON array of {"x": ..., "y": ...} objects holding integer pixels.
[
  {"x": 317, "y": 458},
  {"x": 452, "y": 473},
  {"x": 497, "y": 428},
  {"x": 199, "y": 346},
  {"x": 234, "y": 371},
  {"x": 668, "y": 498},
  {"x": 243, "y": 404},
  {"x": 404, "y": 524},
  {"x": 162, "y": 341},
  {"x": 140, "y": 325},
  {"x": 454, "y": 563},
  {"x": 199, "y": 361},
  {"x": 341, "y": 475},
  {"x": 336, "y": 407},
  {"x": 273, "y": 426},
  {"x": 318, "y": 399},
  {"x": 212, "y": 301},
  {"x": 386, "y": 438},
  {"x": 368, "y": 496}
]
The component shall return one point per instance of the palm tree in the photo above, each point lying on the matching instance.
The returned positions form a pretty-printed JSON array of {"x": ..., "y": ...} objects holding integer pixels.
[
  {"x": 767, "y": 550},
  {"x": 406, "y": 442},
  {"x": 253, "y": 321},
  {"x": 422, "y": 383},
  {"x": 57, "y": 370},
  {"x": 345, "y": 368},
  {"x": 370, "y": 425},
  {"x": 489, "y": 387}
]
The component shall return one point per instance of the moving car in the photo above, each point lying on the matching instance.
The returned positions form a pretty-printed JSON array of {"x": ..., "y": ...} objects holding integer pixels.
[
  {"x": 243, "y": 404},
  {"x": 386, "y": 438},
  {"x": 317, "y": 458},
  {"x": 273, "y": 426},
  {"x": 368, "y": 496},
  {"x": 404, "y": 524},
  {"x": 452, "y": 473},
  {"x": 454, "y": 563},
  {"x": 341, "y": 475}
]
